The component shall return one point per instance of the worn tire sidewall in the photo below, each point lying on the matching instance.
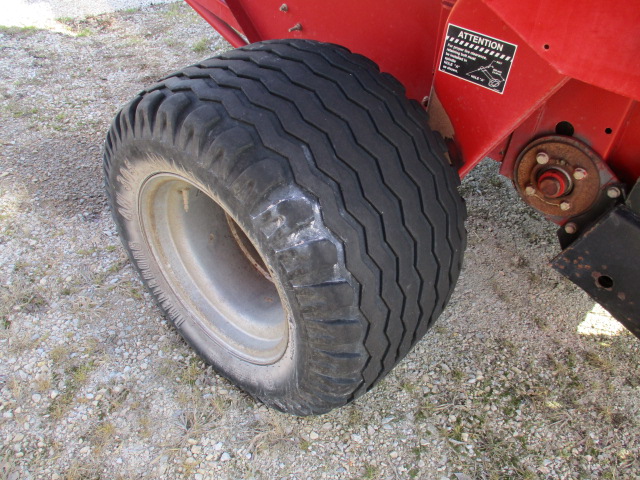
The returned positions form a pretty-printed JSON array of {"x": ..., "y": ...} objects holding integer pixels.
[{"x": 135, "y": 162}]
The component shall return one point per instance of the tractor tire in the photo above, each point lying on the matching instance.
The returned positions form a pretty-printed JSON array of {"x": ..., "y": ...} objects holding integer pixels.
[{"x": 292, "y": 215}]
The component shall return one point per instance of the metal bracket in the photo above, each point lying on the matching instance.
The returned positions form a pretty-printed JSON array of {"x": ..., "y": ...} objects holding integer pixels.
[
  {"x": 633, "y": 200},
  {"x": 603, "y": 261}
]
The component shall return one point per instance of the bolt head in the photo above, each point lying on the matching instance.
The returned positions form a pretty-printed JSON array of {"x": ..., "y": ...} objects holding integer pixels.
[
  {"x": 530, "y": 190},
  {"x": 579, "y": 173},
  {"x": 564, "y": 206},
  {"x": 571, "y": 228},
  {"x": 613, "y": 192},
  {"x": 542, "y": 158}
]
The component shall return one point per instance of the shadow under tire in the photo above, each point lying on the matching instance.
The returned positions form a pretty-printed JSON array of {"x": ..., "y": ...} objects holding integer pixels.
[{"x": 292, "y": 214}]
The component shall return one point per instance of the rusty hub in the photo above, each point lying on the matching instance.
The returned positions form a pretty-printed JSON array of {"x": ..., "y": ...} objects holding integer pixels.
[
  {"x": 560, "y": 176},
  {"x": 554, "y": 183}
]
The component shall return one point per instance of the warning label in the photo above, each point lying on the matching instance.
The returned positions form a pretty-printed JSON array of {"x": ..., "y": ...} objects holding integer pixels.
[{"x": 477, "y": 58}]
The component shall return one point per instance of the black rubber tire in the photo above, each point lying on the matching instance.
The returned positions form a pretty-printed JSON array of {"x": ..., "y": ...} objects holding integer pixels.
[{"x": 338, "y": 182}]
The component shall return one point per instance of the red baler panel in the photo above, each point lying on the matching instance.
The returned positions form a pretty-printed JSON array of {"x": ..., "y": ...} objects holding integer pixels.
[
  {"x": 399, "y": 37},
  {"x": 591, "y": 40},
  {"x": 557, "y": 43}
]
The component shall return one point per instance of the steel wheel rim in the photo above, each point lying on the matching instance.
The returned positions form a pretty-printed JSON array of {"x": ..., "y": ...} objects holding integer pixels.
[{"x": 214, "y": 269}]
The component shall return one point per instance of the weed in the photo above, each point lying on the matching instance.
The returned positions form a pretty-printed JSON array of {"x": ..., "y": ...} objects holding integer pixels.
[
  {"x": 457, "y": 374},
  {"x": 83, "y": 471},
  {"x": 76, "y": 376},
  {"x": 418, "y": 451},
  {"x": 541, "y": 323},
  {"x": 59, "y": 353},
  {"x": 15, "y": 387},
  {"x": 174, "y": 10},
  {"x": 43, "y": 384},
  {"x": 409, "y": 387},
  {"x": 439, "y": 329},
  {"x": 191, "y": 372},
  {"x": 14, "y": 31},
  {"x": 370, "y": 471},
  {"x": 188, "y": 468},
  {"x": 571, "y": 359},
  {"x": 506, "y": 344},
  {"x": 20, "y": 342},
  {"x": 192, "y": 423},
  {"x": 85, "y": 32},
  {"x": 355, "y": 416},
  {"x": 304, "y": 445},
  {"x": 596, "y": 361},
  {"x": 80, "y": 373},
  {"x": 201, "y": 46},
  {"x": 220, "y": 404},
  {"x": 145, "y": 426},
  {"x": 18, "y": 112},
  {"x": 425, "y": 410},
  {"x": 268, "y": 433},
  {"x": 103, "y": 435}
]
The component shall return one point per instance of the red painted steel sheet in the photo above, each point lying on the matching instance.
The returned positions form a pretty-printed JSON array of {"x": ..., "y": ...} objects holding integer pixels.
[
  {"x": 594, "y": 41},
  {"x": 398, "y": 37},
  {"x": 557, "y": 42}
]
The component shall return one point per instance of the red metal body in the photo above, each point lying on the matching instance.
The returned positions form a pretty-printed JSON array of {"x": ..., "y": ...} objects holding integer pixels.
[{"x": 576, "y": 62}]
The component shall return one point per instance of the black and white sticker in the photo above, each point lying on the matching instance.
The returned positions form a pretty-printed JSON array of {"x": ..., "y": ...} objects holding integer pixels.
[{"x": 477, "y": 58}]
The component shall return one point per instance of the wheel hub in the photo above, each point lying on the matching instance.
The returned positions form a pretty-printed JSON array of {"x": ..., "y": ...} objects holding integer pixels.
[{"x": 213, "y": 268}]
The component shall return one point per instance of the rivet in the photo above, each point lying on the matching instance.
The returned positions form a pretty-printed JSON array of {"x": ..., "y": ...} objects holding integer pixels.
[
  {"x": 571, "y": 228},
  {"x": 530, "y": 190},
  {"x": 564, "y": 206}
]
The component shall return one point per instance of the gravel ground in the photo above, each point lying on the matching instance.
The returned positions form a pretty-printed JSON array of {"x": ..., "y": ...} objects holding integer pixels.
[{"x": 523, "y": 376}]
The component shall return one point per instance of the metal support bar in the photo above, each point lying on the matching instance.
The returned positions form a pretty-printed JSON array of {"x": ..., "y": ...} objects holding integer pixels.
[{"x": 604, "y": 263}]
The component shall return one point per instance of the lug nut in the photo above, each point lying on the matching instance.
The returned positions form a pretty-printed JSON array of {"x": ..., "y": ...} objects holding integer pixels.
[
  {"x": 579, "y": 173},
  {"x": 564, "y": 206},
  {"x": 542, "y": 158},
  {"x": 571, "y": 228},
  {"x": 613, "y": 192},
  {"x": 530, "y": 191}
]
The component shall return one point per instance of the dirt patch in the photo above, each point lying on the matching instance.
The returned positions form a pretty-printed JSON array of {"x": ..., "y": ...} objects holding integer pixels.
[{"x": 522, "y": 377}]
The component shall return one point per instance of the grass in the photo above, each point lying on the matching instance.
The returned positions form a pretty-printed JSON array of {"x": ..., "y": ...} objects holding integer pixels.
[
  {"x": 9, "y": 30},
  {"x": 59, "y": 353},
  {"x": 84, "y": 32},
  {"x": 146, "y": 426},
  {"x": 75, "y": 376},
  {"x": 192, "y": 423},
  {"x": 304, "y": 445},
  {"x": 371, "y": 472},
  {"x": 201, "y": 46},
  {"x": 175, "y": 10},
  {"x": 103, "y": 435},
  {"x": 269, "y": 432},
  {"x": 19, "y": 112}
]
